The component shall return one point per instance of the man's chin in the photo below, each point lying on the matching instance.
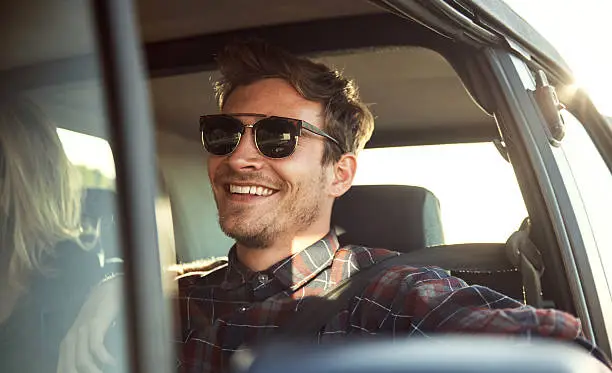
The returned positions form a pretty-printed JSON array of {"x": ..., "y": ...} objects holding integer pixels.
[
  {"x": 253, "y": 239},
  {"x": 250, "y": 241}
]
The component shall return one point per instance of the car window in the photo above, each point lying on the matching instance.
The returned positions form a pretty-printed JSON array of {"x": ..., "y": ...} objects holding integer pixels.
[
  {"x": 593, "y": 182},
  {"x": 58, "y": 226},
  {"x": 91, "y": 156},
  {"x": 479, "y": 196}
]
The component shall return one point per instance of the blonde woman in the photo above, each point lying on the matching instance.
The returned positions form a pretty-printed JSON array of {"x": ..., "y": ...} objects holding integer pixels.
[{"x": 45, "y": 270}]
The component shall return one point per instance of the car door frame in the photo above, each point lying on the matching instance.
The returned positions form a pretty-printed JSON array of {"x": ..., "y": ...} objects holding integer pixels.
[
  {"x": 529, "y": 148},
  {"x": 132, "y": 138}
]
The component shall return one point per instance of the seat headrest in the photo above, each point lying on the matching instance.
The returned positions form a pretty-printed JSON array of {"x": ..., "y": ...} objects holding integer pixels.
[
  {"x": 395, "y": 217},
  {"x": 99, "y": 203}
]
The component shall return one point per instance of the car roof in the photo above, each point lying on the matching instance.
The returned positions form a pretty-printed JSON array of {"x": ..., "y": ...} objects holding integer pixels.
[
  {"x": 159, "y": 20},
  {"x": 500, "y": 16},
  {"x": 181, "y": 40}
]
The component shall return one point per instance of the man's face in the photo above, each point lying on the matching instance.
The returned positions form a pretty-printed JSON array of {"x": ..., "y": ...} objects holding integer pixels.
[{"x": 293, "y": 194}]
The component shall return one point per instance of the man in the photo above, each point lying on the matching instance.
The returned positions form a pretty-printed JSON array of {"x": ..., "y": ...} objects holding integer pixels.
[
  {"x": 281, "y": 151},
  {"x": 274, "y": 193}
]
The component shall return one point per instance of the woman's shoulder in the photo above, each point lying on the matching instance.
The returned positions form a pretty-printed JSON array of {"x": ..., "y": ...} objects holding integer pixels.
[
  {"x": 71, "y": 266},
  {"x": 69, "y": 254},
  {"x": 69, "y": 271},
  {"x": 49, "y": 307},
  {"x": 61, "y": 291}
]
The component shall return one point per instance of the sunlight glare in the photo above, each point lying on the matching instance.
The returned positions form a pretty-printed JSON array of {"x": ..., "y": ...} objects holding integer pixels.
[
  {"x": 480, "y": 200},
  {"x": 581, "y": 32},
  {"x": 89, "y": 151}
]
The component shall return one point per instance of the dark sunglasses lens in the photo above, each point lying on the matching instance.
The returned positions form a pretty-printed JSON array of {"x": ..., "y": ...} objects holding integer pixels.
[
  {"x": 220, "y": 134},
  {"x": 276, "y": 137}
]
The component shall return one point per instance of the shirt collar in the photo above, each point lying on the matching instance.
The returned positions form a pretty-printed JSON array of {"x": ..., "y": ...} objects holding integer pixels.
[{"x": 292, "y": 272}]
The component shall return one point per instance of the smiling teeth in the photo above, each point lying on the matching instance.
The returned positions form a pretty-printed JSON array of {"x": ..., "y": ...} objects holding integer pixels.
[{"x": 255, "y": 190}]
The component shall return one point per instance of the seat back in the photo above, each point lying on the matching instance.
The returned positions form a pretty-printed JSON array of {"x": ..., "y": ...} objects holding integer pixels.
[
  {"x": 396, "y": 217},
  {"x": 99, "y": 208},
  {"x": 407, "y": 218}
]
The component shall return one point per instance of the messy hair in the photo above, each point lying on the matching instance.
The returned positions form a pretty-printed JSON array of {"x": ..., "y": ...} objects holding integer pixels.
[
  {"x": 40, "y": 194},
  {"x": 347, "y": 118}
]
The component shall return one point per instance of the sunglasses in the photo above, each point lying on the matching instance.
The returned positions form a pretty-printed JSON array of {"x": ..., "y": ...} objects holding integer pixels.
[{"x": 275, "y": 137}]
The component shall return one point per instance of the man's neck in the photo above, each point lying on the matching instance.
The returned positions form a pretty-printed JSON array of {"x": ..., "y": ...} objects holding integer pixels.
[{"x": 260, "y": 259}]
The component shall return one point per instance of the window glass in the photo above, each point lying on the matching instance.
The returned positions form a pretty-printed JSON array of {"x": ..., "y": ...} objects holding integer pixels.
[
  {"x": 479, "y": 196},
  {"x": 91, "y": 156},
  {"x": 594, "y": 183},
  {"x": 58, "y": 215}
]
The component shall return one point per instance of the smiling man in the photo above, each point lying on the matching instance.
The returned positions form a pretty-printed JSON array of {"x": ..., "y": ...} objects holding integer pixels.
[
  {"x": 281, "y": 151},
  {"x": 273, "y": 190}
]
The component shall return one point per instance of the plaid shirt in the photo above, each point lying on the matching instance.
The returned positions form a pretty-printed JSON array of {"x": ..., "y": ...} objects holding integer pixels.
[{"x": 246, "y": 306}]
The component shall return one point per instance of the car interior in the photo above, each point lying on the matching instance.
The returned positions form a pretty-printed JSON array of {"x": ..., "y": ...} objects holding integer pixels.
[
  {"x": 409, "y": 75},
  {"x": 414, "y": 79}
]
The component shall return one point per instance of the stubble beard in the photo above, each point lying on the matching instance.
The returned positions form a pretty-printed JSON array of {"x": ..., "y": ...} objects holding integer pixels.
[{"x": 295, "y": 215}]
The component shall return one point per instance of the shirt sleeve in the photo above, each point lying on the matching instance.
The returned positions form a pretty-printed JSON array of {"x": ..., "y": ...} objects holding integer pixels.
[
  {"x": 191, "y": 327},
  {"x": 421, "y": 301}
]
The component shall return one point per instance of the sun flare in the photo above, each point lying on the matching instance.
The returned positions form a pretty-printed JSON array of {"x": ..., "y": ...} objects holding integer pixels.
[{"x": 580, "y": 31}]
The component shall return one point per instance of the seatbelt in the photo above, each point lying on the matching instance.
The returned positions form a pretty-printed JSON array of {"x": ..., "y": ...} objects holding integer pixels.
[
  {"x": 525, "y": 256},
  {"x": 317, "y": 311},
  {"x": 483, "y": 257}
]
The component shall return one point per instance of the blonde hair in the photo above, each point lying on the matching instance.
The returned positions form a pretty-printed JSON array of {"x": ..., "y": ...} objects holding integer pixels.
[{"x": 40, "y": 192}]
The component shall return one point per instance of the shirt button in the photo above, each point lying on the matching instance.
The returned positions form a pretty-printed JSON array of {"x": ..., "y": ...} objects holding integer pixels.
[
  {"x": 243, "y": 309},
  {"x": 262, "y": 278}
]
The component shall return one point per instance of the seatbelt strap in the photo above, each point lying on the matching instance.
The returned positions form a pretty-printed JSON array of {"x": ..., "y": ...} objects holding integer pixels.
[
  {"x": 523, "y": 253},
  {"x": 317, "y": 311},
  {"x": 484, "y": 257}
]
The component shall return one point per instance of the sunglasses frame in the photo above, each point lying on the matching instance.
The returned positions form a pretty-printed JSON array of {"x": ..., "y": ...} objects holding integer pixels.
[{"x": 300, "y": 124}]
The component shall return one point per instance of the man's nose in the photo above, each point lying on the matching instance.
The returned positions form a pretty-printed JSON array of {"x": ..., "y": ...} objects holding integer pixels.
[{"x": 246, "y": 156}]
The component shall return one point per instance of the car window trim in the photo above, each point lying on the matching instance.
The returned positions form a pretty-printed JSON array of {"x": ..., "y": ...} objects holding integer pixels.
[
  {"x": 563, "y": 218},
  {"x": 520, "y": 110},
  {"x": 132, "y": 140}
]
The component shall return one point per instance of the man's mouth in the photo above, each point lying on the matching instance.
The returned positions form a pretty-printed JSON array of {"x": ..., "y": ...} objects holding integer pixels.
[{"x": 255, "y": 190}]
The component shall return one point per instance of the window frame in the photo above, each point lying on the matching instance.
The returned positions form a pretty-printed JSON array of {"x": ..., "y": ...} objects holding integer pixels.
[
  {"x": 132, "y": 139},
  {"x": 133, "y": 145},
  {"x": 525, "y": 138},
  {"x": 524, "y": 131},
  {"x": 600, "y": 293}
]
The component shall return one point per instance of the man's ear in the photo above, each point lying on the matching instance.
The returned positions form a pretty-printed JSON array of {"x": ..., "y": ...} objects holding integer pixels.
[{"x": 344, "y": 173}]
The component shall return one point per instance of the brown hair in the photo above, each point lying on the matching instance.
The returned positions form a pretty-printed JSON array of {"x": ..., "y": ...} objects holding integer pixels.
[{"x": 347, "y": 118}]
